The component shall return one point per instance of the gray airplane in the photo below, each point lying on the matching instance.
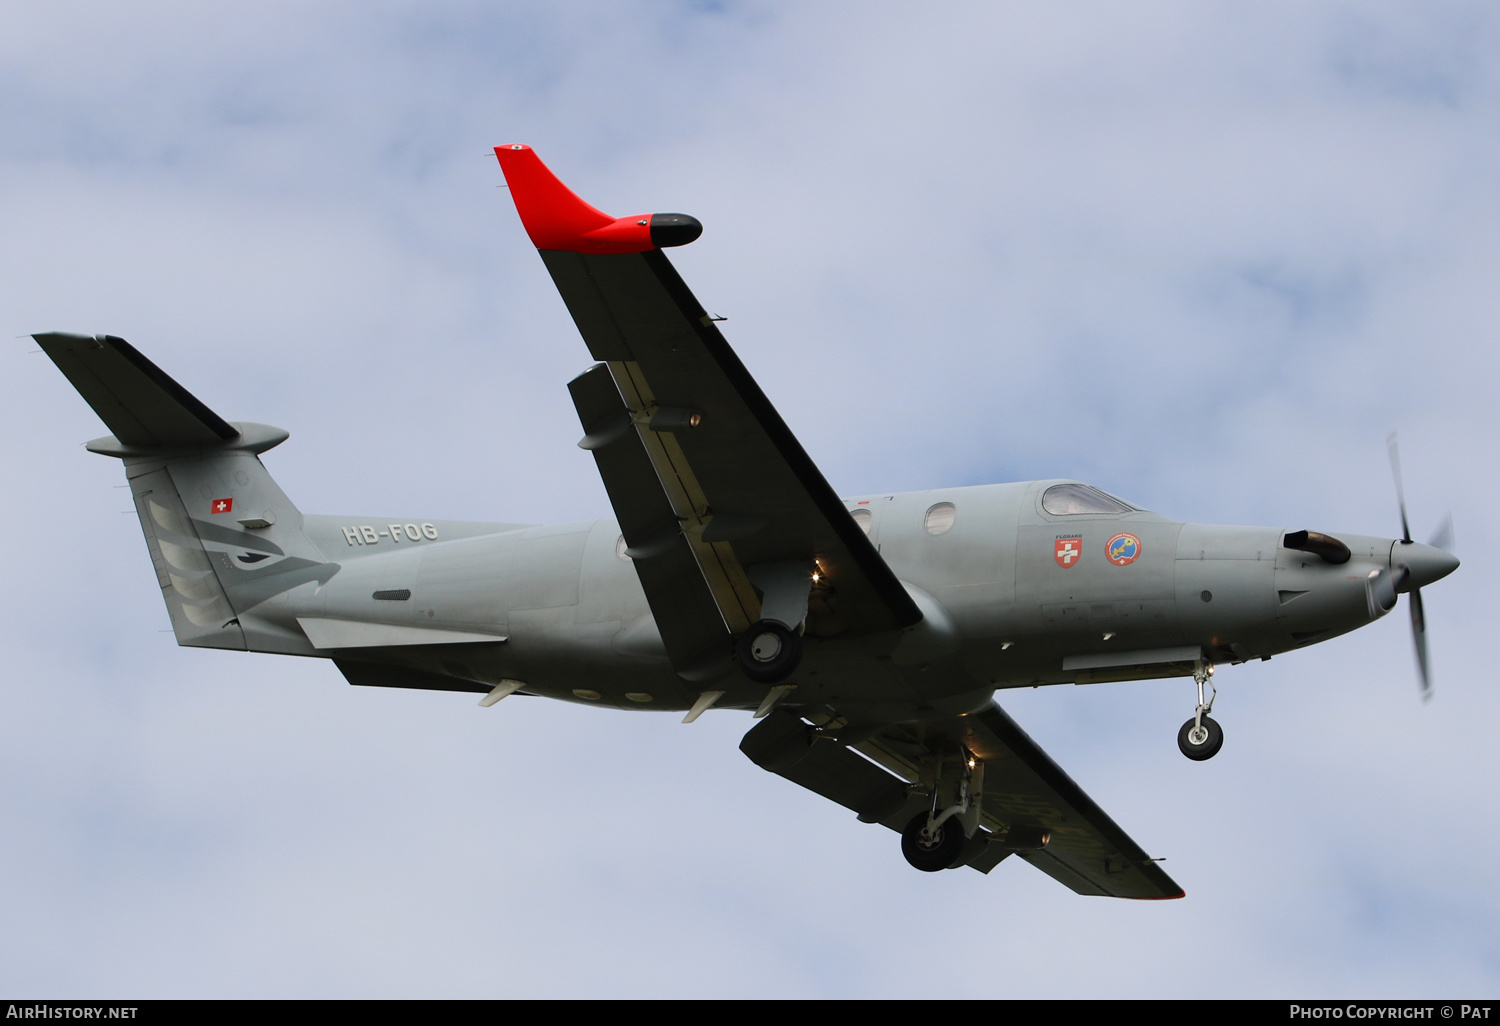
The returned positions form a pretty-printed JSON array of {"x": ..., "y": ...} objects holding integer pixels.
[{"x": 867, "y": 635}]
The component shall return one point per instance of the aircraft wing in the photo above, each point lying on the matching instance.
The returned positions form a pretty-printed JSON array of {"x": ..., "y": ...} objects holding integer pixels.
[
  {"x": 709, "y": 469},
  {"x": 1027, "y": 799}
]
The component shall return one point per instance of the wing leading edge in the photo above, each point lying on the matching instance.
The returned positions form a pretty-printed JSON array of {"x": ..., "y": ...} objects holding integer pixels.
[{"x": 734, "y": 481}]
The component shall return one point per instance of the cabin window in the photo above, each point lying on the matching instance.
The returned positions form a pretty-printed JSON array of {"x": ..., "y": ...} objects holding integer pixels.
[
  {"x": 620, "y": 547},
  {"x": 863, "y": 518},
  {"x": 940, "y": 517},
  {"x": 1069, "y": 499}
]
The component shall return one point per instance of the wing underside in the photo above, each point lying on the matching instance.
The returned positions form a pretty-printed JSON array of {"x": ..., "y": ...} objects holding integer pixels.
[
  {"x": 736, "y": 483},
  {"x": 703, "y": 473},
  {"x": 1029, "y": 806},
  {"x": 685, "y": 610}
]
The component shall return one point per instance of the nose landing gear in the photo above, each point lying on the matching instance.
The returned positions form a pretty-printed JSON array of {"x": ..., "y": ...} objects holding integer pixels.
[
  {"x": 1201, "y": 737},
  {"x": 1199, "y": 741}
]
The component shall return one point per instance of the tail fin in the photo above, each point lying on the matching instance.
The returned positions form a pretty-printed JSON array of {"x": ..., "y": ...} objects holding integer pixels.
[{"x": 223, "y": 536}]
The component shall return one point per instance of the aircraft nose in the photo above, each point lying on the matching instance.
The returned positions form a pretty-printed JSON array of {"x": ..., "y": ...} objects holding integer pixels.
[{"x": 1426, "y": 563}]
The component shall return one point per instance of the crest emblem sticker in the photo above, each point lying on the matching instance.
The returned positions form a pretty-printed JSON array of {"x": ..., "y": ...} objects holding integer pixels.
[
  {"x": 1122, "y": 549},
  {"x": 1067, "y": 550}
]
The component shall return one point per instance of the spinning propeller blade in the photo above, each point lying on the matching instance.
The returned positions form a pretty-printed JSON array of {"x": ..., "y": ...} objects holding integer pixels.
[
  {"x": 1441, "y": 539},
  {"x": 1419, "y": 637},
  {"x": 1400, "y": 492}
]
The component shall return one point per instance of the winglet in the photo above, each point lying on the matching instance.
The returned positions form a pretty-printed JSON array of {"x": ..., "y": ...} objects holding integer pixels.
[{"x": 557, "y": 219}]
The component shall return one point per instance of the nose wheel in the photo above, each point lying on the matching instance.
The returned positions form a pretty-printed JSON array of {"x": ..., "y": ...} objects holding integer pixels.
[
  {"x": 1199, "y": 741},
  {"x": 1201, "y": 737}
]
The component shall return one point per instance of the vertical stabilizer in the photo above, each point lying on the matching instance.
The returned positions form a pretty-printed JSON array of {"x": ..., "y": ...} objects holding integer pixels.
[
  {"x": 200, "y": 611},
  {"x": 223, "y": 537}
]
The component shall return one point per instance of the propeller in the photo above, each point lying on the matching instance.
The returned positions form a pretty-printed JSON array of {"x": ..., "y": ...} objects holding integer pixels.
[{"x": 1442, "y": 539}]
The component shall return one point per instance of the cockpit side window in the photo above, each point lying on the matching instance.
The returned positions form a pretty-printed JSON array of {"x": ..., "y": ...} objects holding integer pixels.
[{"x": 1066, "y": 499}]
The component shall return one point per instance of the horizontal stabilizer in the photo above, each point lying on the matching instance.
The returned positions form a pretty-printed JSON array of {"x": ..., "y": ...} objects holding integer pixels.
[
  {"x": 136, "y": 399},
  {"x": 388, "y": 675},
  {"x": 329, "y": 633}
]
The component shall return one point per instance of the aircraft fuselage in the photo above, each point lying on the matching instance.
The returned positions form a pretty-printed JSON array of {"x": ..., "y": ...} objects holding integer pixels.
[{"x": 1011, "y": 595}]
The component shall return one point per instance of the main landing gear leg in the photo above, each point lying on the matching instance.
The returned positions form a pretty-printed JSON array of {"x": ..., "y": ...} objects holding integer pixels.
[
  {"x": 934, "y": 839},
  {"x": 770, "y": 650},
  {"x": 1201, "y": 737}
]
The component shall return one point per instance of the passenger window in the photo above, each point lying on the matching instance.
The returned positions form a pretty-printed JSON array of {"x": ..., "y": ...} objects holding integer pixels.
[
  {"x": 940, "y": 517},
  {"x": 863, "y": 518}
]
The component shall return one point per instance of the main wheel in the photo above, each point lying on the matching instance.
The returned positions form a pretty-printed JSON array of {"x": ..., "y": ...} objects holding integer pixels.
[
  {"x": 768, "y": 652},
  {"x": 1199, "y": 743},
  {"x": 938, "y": 852}
]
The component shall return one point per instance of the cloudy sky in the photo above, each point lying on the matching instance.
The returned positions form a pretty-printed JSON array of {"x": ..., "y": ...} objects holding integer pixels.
[{"x": 1205, "y": 256}]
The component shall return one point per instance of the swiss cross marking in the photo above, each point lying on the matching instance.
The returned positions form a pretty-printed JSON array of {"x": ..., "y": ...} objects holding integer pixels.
[
  {"x": 1066, "y": 551},
  {"x": 221, "y": 505}
]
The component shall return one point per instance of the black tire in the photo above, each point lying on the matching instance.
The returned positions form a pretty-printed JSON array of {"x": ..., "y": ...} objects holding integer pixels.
[
  {"x": 934, "y": 854},
  {"x": 1210, "y": 745},
  {"x": 768, "y": 652}
]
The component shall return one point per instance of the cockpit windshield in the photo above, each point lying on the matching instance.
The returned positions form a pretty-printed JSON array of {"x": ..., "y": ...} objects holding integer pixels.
[{"x": 1066, "y": 499}]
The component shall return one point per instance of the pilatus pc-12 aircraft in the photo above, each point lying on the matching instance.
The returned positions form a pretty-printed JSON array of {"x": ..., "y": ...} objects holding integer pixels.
[{"x": 866, "y": 635}]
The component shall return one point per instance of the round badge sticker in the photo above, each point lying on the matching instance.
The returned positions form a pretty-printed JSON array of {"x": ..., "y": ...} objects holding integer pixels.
[{"x": 1122, "y": 549}]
